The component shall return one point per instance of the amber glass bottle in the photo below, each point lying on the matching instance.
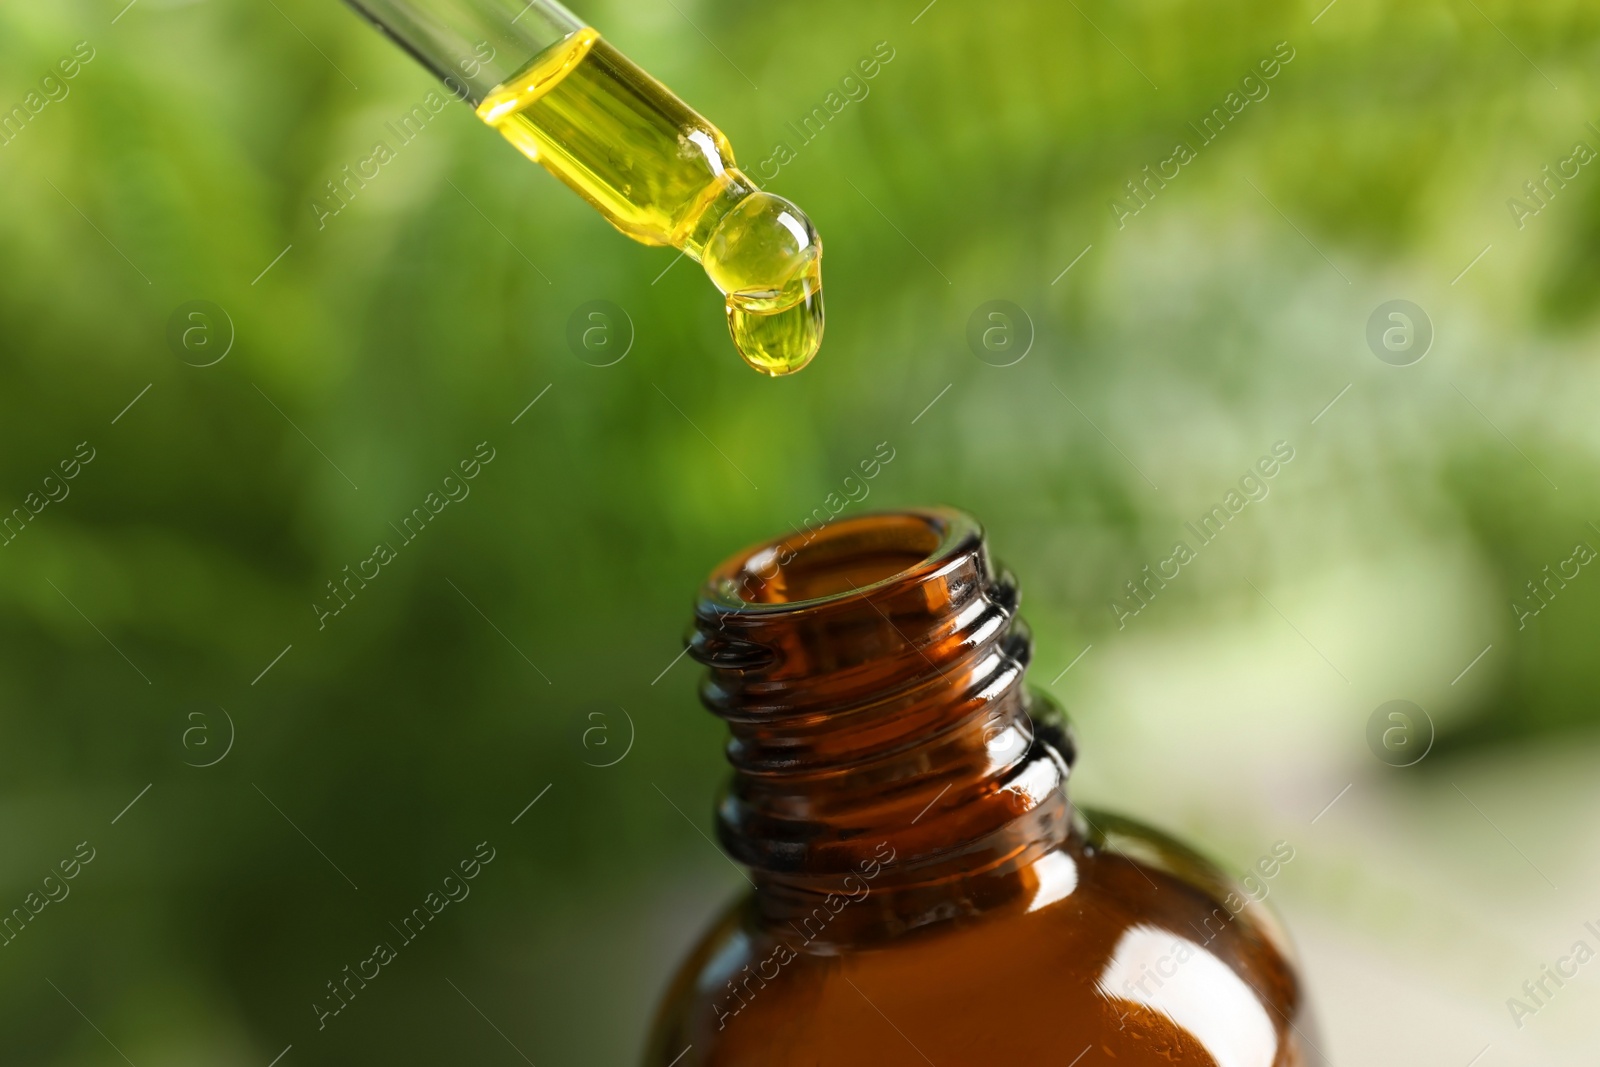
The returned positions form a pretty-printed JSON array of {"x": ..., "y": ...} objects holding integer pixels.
[{"x": 925, "y": 892}]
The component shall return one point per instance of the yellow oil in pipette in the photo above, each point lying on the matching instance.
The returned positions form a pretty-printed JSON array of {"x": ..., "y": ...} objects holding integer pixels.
[{"x": 663, "y": 175}]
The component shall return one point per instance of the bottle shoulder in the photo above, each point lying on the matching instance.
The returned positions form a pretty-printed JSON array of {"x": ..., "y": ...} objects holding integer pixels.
[
  {"x": 1240, "y": 896},
  {"x": 1123, "y": 937}
]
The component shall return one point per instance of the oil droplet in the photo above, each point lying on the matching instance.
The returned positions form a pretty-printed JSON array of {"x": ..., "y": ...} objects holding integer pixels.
[
  {"x": 778, "y": 333},
  {"x": 766, "y": 258}
]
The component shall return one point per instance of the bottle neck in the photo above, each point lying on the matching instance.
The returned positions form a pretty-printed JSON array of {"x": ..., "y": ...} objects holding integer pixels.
[{"x": 871, "y": 673}]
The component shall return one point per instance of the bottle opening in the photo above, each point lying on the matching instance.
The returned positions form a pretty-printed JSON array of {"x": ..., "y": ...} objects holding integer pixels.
[{"x": 841, "y": 557}]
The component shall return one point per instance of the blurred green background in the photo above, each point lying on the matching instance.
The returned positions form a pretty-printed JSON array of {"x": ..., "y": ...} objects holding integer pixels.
[{"x": 377, "y": 352}]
